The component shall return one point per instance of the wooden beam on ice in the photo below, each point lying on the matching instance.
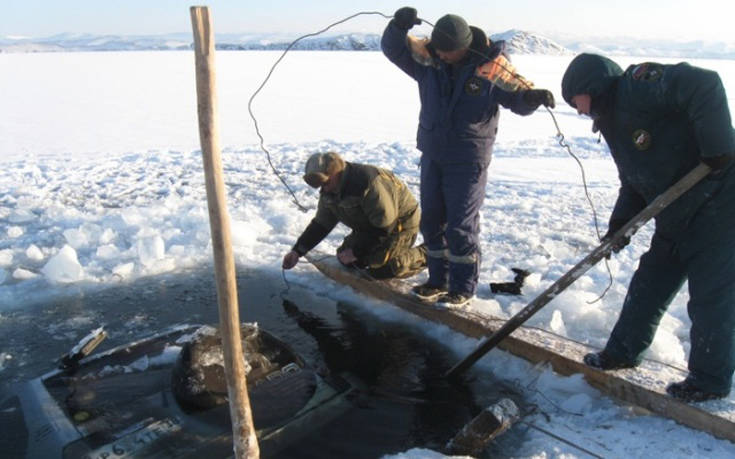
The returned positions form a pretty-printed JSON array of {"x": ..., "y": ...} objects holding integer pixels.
[{"x": 643, "y": 386}]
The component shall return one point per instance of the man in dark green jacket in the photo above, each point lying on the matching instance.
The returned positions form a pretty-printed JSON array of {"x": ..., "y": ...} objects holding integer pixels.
[
  {"x": 660, "y": 121},
  {"x": 379, "y": 208}
]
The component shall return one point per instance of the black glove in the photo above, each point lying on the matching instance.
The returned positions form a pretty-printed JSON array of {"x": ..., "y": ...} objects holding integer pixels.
[
  {"x": 717, "y": 163},
  {"x": 405, "y": 18},
  {"x": 613, "y": 228},
  {"x": 535, "y": 97}
]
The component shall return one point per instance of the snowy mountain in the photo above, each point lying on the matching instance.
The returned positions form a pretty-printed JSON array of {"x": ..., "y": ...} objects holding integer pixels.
[
  {"x": 182, "y": 41},
  {"x": 518, "y": 41},
  {"x": 89, "y": 42},
  {"x": 348, "y": 42},
  {"x": 628, "y": 46},
  {"x": 522, "y": 42}
]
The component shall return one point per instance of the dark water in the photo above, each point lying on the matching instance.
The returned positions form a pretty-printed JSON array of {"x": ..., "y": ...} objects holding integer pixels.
[{"x": 403, "y": 402}]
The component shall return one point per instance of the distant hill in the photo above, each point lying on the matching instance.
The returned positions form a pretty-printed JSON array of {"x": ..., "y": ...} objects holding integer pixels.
[
  {"x": 521, "y": 42},
  {"x": 518, "y": 42},
  {"x": 628, "y": 46},
  {"x": 88, "y": 42},
  {"x": 347, "y": 42}
]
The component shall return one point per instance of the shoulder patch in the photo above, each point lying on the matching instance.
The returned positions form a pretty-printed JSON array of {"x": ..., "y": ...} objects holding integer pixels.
[
  {"x": 648, "y": 71},
  {"x": 641, "y": 139},
  {"x": 473, "y": 86}
]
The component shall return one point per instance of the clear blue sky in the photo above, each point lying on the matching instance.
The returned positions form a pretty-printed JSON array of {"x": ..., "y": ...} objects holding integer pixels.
[{"x": 674, "y": 19}]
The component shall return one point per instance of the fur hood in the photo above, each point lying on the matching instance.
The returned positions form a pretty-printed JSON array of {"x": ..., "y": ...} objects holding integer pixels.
[{"x": 482, "y": 49}]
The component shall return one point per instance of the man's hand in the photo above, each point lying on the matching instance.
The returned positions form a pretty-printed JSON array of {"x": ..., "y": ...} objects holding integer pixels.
[
  {"x": 621, "y": 243},
  {"x": 405, "y": 18},
  {"x": 717, "y": 163},
  {"x": 290, "y": 260},
  {"x": 346, "y": 257},
  {"x": 536, "y": 97}
]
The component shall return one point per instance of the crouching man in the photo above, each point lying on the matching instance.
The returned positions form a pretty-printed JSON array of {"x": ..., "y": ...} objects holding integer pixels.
[{"x": 379, "y": 209}]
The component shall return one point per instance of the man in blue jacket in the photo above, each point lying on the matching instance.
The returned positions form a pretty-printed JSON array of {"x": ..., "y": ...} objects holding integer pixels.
[
  {"x": 457, "y": 127},
  {"x": 659, "y": 122}
]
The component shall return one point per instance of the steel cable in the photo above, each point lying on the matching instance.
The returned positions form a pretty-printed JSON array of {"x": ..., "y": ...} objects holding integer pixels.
[{"x": 561, "y": 138}]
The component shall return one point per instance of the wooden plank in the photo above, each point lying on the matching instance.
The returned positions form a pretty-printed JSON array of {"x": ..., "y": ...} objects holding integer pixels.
[{"x": 643, "y": 386}]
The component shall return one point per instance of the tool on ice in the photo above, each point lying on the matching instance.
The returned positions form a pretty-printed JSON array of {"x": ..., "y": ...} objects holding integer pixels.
[
  {"x": 653, "y": 209},
  {"x": 511, "y": 288}
]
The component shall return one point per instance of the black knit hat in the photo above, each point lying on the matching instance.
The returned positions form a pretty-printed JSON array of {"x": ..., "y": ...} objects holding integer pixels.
[{"x": 451, "y": 33}]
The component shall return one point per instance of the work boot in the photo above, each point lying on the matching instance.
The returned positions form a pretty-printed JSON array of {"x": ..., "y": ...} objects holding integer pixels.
[
  {"x": 603, "y": 361},
  {"x": 687, "y": 391},
  {"x": 453, "y": 300},
  {"x": 428, "y": 292}
]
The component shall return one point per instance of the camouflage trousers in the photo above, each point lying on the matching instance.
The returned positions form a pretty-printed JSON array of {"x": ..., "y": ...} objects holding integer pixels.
[{"x": 392, "y": 256}]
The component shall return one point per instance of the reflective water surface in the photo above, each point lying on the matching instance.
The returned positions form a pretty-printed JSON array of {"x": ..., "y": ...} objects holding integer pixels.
[{"x": 402, "y": 402}]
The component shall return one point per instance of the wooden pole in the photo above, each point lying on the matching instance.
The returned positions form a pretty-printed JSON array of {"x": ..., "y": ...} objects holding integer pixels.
[
  {"x": 656, "y": 206},
  {"x": 244, "y": 439}
]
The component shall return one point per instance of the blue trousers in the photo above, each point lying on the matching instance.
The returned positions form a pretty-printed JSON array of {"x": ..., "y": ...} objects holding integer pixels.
[
  {"x": 451, "y": 199},
  {"x": 710, "y": 270}
]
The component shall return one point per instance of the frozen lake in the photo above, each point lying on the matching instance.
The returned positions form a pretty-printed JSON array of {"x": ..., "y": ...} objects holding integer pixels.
[{"x": 101, "y": 192}]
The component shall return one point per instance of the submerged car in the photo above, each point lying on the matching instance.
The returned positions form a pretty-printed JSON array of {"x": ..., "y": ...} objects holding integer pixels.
[{"x": 165, "y": 396}]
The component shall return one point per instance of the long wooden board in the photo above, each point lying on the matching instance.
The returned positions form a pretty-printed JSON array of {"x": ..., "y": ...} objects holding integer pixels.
[{"x": 643, "y": 386}]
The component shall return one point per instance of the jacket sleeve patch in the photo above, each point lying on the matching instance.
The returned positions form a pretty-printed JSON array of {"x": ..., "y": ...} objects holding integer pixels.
[{"x": 648, "y": 71}]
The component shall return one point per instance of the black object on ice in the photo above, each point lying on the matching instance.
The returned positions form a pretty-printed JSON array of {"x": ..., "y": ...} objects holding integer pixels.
[{"x": 511, "y": 288}]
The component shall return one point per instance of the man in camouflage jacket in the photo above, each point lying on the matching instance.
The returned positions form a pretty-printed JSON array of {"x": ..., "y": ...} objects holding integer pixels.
[{"x": 379, "y": 209}]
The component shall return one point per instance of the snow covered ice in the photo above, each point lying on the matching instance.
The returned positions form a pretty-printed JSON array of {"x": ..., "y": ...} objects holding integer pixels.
[{"x": 102, "y": 183}]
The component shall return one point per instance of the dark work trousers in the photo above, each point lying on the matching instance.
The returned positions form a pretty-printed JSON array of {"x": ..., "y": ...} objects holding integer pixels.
[
  {"x": 710, "y": 271},
  {"x": 451, "y": 199}
]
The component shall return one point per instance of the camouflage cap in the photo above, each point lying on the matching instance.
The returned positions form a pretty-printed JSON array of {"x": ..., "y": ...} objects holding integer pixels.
[{"x": 321, "y": 166}]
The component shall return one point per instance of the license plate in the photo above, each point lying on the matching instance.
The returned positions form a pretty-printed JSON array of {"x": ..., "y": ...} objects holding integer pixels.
[{"x": 135, "y": 442}]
